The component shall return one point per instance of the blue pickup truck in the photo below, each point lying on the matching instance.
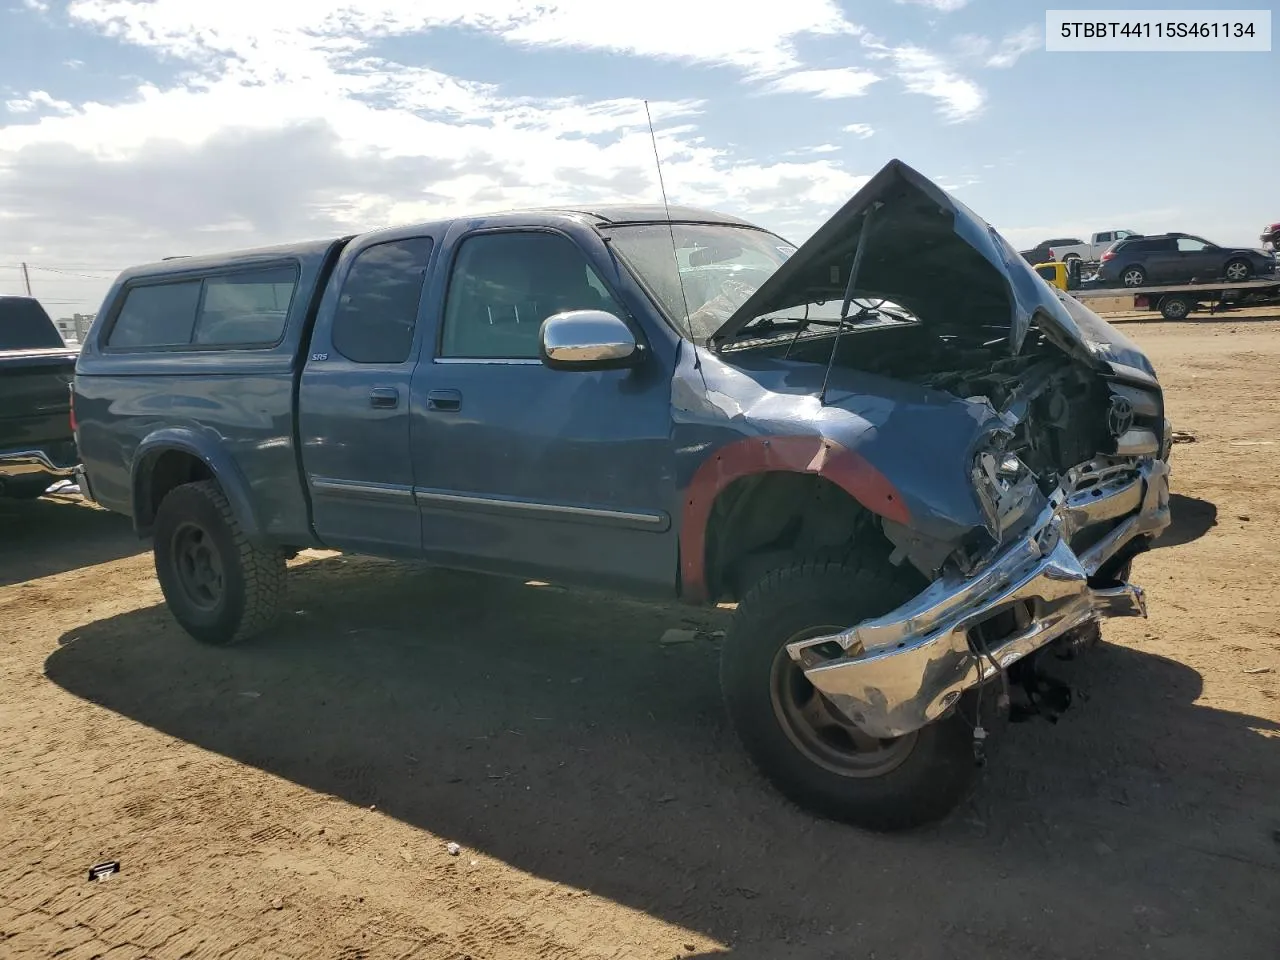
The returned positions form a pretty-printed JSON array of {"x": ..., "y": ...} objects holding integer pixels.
[{"x": 915, "y": 466}]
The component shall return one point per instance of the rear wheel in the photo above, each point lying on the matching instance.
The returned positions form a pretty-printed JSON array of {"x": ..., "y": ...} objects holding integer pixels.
[
  {"x": 220, "y": 587},
  {"x": 1237, "y": 270},
  {"x": 1133, "y": 276},
  {"x": 798, "y": 739}
]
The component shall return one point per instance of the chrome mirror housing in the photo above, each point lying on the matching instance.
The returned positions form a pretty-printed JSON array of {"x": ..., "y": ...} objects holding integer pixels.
[{"x": 587, "y": 340}]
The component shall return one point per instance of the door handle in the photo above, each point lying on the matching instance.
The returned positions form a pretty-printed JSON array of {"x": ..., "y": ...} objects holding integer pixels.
[
  {"x": 384, "y": 397},
  {"x": 446, "y": 401}
]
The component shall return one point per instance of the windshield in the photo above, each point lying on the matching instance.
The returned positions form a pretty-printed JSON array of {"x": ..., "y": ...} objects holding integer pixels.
[{"x": 721, "y": 265}]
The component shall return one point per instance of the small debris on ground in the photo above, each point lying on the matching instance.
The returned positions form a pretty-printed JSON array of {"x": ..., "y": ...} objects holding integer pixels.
[
  {"x": 1258, "y": 670},
  {"x": 104, "y": 871},
  {"x": 676, "y": 636},
  {"x": 1242, "y": 516},
  {"x": 453, "y": 849},
  {"x": 277, "y": 904},
  {"x": 405, "y": 855},
  {"x": 1181, "y": 436}
]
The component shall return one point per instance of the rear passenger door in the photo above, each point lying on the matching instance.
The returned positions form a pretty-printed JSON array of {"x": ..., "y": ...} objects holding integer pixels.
[
  {"x": 354, "y": 399},
  {"x": 1160, "y": 258}
]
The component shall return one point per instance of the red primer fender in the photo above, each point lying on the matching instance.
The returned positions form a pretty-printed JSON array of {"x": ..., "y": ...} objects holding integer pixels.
[{"x": 784, "y": 454}]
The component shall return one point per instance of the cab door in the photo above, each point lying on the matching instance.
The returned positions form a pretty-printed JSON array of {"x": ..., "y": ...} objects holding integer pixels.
[
  {"x": 521, "y": 468},
  {"x": 353, "y": 401}
]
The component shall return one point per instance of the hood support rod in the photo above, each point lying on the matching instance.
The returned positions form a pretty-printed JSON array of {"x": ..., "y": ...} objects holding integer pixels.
[{"x": 864, "y": 236}]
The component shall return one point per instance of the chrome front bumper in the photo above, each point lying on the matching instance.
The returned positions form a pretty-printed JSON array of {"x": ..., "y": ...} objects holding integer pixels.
[{"x": 894, "y": 674}]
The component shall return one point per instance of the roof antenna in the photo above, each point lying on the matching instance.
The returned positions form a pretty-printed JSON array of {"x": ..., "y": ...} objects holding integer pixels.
[{"x": 675, "y": 256}]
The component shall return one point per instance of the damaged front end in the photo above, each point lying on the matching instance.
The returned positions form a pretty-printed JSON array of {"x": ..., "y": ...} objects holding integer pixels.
[
  {"x": 1067, "y": 469},
  {"x": 896, "y": 673}
]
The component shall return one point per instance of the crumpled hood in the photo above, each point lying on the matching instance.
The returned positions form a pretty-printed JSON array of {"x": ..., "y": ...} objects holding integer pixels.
[{"x": 933, "y": 255}]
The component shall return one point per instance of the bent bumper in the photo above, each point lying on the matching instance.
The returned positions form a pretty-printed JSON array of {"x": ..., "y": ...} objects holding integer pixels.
[
  {"x": 894, "y": 674},
  {"x": 21, "y": 464}
]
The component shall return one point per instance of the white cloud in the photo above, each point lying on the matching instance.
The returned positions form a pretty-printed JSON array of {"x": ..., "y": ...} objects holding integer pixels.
[
  {"x": 942, "y": 6},
  {"x": 923, "y": 72},
  {"x": 833, "y": 84},
  {"x": 714, "y": 31},
  {"x": 1015, "y": 46},
  {"x": 285, "y": 125},
  {"x": 860, "y": 130},
  {"x": 1000, "y": 55},
  {"x": 37, "y": 101}
]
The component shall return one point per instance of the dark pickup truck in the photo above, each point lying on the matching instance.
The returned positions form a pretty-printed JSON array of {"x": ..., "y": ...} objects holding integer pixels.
[
  {"x": 37, "y": 446},
  {"x": 914, "y": 479}
]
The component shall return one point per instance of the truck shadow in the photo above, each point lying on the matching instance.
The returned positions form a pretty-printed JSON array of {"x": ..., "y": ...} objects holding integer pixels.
[
  {"x": 555, "y": 732},
  {"x": 1190, "y": 519},
  {"x": 57, "y": 533}
]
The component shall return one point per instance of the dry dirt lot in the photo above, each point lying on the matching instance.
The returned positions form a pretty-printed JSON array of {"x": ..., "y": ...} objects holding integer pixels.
[{"x": 294, "y": 798}]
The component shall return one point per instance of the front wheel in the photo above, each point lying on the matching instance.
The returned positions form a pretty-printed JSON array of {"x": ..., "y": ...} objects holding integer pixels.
[
  {"x": 797, "y": 738},
  {"x": 1238, "y": 270},
  {"x": 220, "y": 587}
]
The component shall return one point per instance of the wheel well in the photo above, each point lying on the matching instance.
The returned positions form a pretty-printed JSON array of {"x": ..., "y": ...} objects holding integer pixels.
[
  {"x": 159, "y": 474},
  {"x": 758, "y": 520}
]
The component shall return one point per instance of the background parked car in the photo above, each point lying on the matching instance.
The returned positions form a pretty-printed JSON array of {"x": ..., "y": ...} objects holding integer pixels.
[
  {"x": 1271, "y": 235},
  {"x": 1040, "y": 252},
  {"x": 1179, "y": 258},
  {"x": 1092, "y": 251}
]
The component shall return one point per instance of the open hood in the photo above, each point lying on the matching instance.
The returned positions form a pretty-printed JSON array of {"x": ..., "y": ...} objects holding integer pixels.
[{"x": 927, "y": 252}]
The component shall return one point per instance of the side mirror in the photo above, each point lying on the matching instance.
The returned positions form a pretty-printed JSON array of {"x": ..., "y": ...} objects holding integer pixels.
[{"x": 587, "y": 340}]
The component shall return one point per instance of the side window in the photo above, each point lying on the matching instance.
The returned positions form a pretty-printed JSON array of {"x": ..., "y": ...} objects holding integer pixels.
[
  {"x": 378, "y": 306},
  {"x": 1190, "y": 245},
  {"x": 505, "y": 284},
  {"x": 1104, "y": 238},
  {"x": 160, "y": 315},
  {"x": 246, "y": 308}
]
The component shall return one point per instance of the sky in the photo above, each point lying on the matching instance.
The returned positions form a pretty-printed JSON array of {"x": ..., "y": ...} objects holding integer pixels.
[{"x": 136, "y": 129}]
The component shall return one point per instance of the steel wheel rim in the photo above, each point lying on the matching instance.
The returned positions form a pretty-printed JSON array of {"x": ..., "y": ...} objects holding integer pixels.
[
  {"x": 819, "y": 731},
  {"x": 1132, "y": 278},
  {"x": 198, "y": 564},
  {"x": 1237, "y": 271},
  {"x": 1176, "y": 310}
]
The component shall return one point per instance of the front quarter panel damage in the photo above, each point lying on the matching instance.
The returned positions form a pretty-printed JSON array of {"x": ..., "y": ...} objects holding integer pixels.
[{"x": 900, "y": 450}]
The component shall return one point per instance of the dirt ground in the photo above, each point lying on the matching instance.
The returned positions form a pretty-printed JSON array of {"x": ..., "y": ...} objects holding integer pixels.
[{"x": 294, "y": 797}]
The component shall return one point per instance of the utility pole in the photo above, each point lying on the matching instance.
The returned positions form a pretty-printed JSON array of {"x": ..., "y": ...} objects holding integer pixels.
[{"x": 26, "y": 278}]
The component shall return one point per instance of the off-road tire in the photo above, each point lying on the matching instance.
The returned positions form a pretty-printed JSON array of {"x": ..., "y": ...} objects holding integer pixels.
[
  {"x": 924, "y": 787},
  {"x": 253, "y": 576}
]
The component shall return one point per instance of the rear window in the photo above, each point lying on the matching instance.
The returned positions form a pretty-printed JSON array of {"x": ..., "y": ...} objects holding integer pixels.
[
  {"x": 25, "y": 325},
  {"x": 245, "y": 308},
  {"x": 163, "y": 315}
]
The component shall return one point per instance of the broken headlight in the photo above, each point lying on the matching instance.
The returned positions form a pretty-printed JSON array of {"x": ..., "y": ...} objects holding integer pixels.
[{"x": 1005, "y": 487}]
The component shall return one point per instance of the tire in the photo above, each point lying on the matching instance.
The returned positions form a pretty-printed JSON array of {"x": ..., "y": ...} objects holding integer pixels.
[
  {"x": 1175, "y": 307},
  {"x": 220, "y": 587},
  {"x": 1237, "y": 270},
  {"x": 905, "y": 782},
  {"x": 1070, "y": 256},
  {"x": 1133, "y": 276}
]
